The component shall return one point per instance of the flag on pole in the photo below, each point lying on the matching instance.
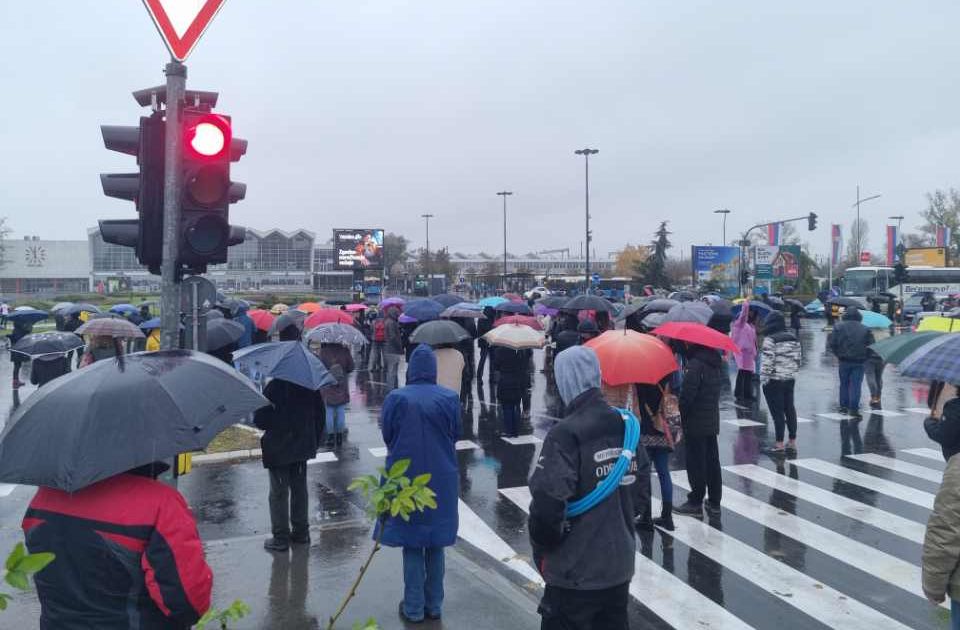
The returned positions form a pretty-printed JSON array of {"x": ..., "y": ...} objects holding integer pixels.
[
  {"x": 836, "y": 244},
  {"x": 943, "y": 236},
  {"x": 892, "y": 239},
  {"x": 773, "y": 234}
]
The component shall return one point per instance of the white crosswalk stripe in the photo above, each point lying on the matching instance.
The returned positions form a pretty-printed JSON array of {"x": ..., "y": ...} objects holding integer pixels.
[
  {"x": 928, "y": 453},
  {"x": 856, "y": 554},
  {"x": 921, "y": 472},
  {"x": 886, "y": 521},
  {"x": 875, "y": 484},
  {"x": 670, "y": 598},
  {"x": 6, "y": 489}
]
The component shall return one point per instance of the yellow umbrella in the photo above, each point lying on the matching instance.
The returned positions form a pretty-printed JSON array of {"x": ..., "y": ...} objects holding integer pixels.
[{"x": 939, "y": 323}]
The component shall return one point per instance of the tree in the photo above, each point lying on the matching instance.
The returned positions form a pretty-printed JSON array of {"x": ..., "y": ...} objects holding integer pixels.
[
  {"x": 943, "y": 209},
  {"x": 678, "y": 272},
  {"x": 853, "y": 256},
  {"x": 394, "y": 250},
  {"x": 437, "y": 264},
  {"x": 4, "y": 233},
  {"x": 628, "y": 258},
  {"x": 653, "y": 270}
]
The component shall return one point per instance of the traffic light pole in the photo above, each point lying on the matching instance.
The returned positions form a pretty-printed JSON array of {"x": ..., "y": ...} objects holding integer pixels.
[{"x": 172, "y": 187}]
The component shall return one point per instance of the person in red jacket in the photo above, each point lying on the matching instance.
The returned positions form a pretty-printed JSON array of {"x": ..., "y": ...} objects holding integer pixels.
[{"x": 128, "y": 555}]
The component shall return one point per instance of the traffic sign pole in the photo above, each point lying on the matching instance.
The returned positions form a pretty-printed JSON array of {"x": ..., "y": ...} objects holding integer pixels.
[{"x": 169, "y": 281}]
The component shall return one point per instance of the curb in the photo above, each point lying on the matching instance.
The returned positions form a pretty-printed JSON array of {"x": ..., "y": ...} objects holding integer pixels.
[{"x": 217, "y": 458}]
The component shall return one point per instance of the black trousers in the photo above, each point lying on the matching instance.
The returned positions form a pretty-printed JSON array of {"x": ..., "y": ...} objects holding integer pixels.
[
  {"x": 484, "y": 355},
  {"x": 779, "y": 395},
  {"x": 567, "y": 609},
  {"x": 288, "y": 501},
  {"x": 703, "y": 469},
  {"x": 743, "y": 389}
]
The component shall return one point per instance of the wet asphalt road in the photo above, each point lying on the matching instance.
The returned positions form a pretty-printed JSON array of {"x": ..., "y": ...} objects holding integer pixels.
[{"x": 831, "y": 538}]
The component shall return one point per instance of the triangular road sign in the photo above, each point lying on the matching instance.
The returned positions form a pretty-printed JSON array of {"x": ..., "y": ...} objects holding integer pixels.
[{"x": 182, "y": 22}]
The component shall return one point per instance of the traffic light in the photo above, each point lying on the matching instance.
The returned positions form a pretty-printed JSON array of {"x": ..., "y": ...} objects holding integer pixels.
[
  {"x": 899, "y": 272},
  {"x": 145, "y": 189},
  {"x": 812, "y": 221},
  {"x": 208, "y": 149},
  {"x": 744, "y": 277}
]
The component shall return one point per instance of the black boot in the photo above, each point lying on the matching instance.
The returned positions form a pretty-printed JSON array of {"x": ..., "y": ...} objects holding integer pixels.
[{"x": 666, "y": 517}]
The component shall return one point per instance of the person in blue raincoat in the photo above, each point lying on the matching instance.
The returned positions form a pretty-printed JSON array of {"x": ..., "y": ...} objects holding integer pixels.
[{"x": 421, "y": 422}]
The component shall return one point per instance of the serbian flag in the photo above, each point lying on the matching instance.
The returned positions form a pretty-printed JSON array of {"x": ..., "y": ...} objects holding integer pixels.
[
  {"x": 943, "y": 236},
  {"x": 892, "y": 239},
  {"x": 836, "y": 244},
  {"x": 773, "y": 234}
]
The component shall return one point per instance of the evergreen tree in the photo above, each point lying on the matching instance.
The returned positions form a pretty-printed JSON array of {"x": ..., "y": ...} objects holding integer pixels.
[{"x": 653, "y": 270}]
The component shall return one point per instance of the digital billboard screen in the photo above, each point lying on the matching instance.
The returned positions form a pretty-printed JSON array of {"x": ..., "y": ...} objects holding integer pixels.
[{"x": 358, "y": 249}]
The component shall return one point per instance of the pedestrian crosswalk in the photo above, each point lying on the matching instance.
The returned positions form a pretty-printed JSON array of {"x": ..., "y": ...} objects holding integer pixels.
[{"x": 809, "y": 586}]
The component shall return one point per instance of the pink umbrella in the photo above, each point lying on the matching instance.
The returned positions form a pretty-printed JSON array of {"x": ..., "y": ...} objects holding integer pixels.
[{"x": 353, "y": 308}]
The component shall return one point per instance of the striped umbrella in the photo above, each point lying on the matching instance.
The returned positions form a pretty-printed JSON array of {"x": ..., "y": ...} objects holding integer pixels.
[
  {"x": 897, "y": 348},
  {"x": 935, "y": 361},
  {"x": 110, "y": 327}
]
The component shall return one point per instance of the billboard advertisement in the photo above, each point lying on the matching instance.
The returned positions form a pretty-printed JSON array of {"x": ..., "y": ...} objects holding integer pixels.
[
  {"x": 776, "y": 262},
  {"x": 717, "y": 264},
  {"x": 358, "y": 249},
  {"x": 925, "y": 257}
]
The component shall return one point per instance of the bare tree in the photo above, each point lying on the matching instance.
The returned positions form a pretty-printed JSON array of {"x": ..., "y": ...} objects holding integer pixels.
[{"x": 5, "y": 230}]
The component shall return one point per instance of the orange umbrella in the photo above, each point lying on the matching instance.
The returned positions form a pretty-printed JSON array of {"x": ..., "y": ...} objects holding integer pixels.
[
  {"x": 627, "y": 356},
  {"x": 309, "y": 307},
  {"x": 263, "y": 320},
  {"x": 327, "y": 316},
  {"x": 698, "y": 334}
]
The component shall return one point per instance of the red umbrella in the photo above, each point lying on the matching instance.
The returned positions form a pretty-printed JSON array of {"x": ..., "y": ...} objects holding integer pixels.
[
  {"x": 698, "y": 334},
  {"x": 513, "y": 297},
  {"x": 523, "y": 320},
  {"x": 328, "y": 316},
  {"x": 627, "y": 356},
  {"x": 263, "y": 320}
]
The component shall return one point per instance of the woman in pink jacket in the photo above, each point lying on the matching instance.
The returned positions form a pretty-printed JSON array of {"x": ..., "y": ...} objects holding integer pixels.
[{"x": 745, "y": 336}]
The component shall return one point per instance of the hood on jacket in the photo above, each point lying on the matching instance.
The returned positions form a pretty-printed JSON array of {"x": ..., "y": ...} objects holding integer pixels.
[
  {"x": 852, "y": 314},
  {"x": 577, "y": 369},
  {"x": 774, "y": 323},
  {"x": 423, "y": 366}
]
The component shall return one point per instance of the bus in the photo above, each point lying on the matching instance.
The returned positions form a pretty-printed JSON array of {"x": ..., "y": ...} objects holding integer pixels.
[{"x": 863, "y": 283}]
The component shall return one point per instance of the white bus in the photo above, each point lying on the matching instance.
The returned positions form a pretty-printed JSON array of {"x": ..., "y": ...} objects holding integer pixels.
[{"x": 861, "y": 283}]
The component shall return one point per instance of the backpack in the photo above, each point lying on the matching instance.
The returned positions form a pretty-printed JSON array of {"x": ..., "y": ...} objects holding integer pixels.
[{"x": 379, "y": 330}]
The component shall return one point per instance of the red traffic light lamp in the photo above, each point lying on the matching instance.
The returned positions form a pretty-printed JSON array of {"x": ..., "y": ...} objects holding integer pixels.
[{"x": 207, "y": 136}]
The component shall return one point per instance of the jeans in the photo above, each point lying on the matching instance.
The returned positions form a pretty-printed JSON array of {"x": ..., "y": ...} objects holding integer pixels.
[
  {"x": 569, "y": 609},
  {"x": 288, "y": 501},
  {"x": 661, "y": 461},
  {"x": 511, "y": 419},
  {"x": 851, "y": 382},
  {"x": 703, "y": 469},
  {"x": 336, "y": 419},
  {"x": 376, "y": 356},
  {"x": 779, "y": 395},
  {"x": 423, "y": 569},
  {"x": 873, "y": 370},
  {"x": 391, "y": 364},
  {"x": 954, "y": 614}
]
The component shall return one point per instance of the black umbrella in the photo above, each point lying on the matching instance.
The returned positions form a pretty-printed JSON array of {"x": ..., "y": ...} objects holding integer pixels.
[
  {"x": 775, "y": 302},
  {"x": 659, "y": 305},
  {"x": 722, "y": 316},
  {"x": 292, "y": 317},
  {"x": 683, "y": 296},
  {"x": 38, "y": 344},
  {"x": 109, "y": 418},
  {"x": 80, "y": 308},
  {"x": 30, "y": 316},
  {"x": 587, "y": 303},
  {"x": 447, "y": 299},
  {"x": 515, "y": 308},
  {"x": 845, "y": 302},
  {"x": 222, "y": 332},
  {"x": 795, "y": 303},
  {"x": 439, "y": 332},
  {"x": 554, "y": 301}
]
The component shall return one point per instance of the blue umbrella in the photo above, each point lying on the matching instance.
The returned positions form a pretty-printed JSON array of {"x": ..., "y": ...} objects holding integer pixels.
[
  {"x": 759, "y": 308},
  {"x": 875, "y": 320},
  {"x": 150, "y": 324},
  {"x": 124, "y": 309},
  {"x": 517, "y": 308},
  {"x": 493, "y": 301},
  {"x": 935, "y": 361},
  {"x": 423, "y": 310},
  {"x": 30, "y": 316},
  {"x": 286, "y": 360}
]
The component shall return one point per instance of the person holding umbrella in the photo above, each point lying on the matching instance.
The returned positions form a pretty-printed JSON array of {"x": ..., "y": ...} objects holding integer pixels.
[
  {"x": 339, "y": 361},
  {"x": 744, "y": 335},
  {"x": 484, "y": 326},
  {"x": 392, "y": 347},
  {"x": 513, "y": 383},
  {"x": 849, "y": 342},
  {"x": 21, "y": 328}
]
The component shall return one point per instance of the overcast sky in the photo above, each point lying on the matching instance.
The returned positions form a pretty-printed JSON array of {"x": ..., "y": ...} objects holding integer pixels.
[{"x": 370, "y": 113}]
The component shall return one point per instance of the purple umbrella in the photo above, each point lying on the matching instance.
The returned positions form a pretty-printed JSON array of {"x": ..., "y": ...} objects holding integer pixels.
[
  {"x": 540, "y": 309},
  {"x": 391, "y": 301},
  {"x": 406, "y": 319}
]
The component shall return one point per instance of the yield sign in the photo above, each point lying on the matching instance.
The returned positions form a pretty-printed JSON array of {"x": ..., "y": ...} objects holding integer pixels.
[{"x": 182, "y": 22}]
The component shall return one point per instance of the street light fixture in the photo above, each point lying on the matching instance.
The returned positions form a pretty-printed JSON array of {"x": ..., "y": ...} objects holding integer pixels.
[
  {"x": 504, "y": 194},
  {"x": 586, "y": 153},
  {"x": 724, "y": 212},
  {"x": 426, "y": 218},
  {"x": 857, "y": 206}
]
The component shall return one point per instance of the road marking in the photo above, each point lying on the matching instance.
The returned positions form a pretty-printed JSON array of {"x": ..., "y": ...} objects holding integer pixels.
[
  {"x": 799, "y": 419},
  {"x": 896, "y": 525},
  {"x": 322, "y": 458},
  {"x": 875, "y": 484},
  {"x": 835, "y": 416},
  {"x": 786, "y": 584},
  {"x": 858, "y": 555},
  {"x": 929, "y": 453},
  {"x": 921, "y": 410},
  {"x": 378, "y": 451},
  {"x": 886, "y": 413},
  {"x": 741, "y": 422},
  {"x": 473, "y": 530},
  {"x": 669, "y": 597},
  {"x": 921, "y": 472},
  {"x": 461, "y": 445},
  {"x": 6, "y": 489},
  {"x": 523, "y": 439}
]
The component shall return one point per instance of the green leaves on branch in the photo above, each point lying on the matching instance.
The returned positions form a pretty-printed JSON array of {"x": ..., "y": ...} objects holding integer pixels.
[
  {"x": 369, "y": 624},
  {"x": 18, "y": 568},
  {"x": 235, "y": 612},
  {"x": 394, "y": 494}
]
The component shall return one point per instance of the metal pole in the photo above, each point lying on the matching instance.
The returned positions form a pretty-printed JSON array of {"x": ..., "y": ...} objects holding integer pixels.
[
  {"x": 857, "y": 261},
  {"x": 169, "y": 282},
  {"x": 586, "y": 187},
  {"x": 504, "y": 194},
  {"x": 725, "y": 228},
  {"x": 429, "y": 269}
]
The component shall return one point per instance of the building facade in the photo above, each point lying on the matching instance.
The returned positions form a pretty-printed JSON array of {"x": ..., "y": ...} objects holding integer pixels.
[
  {"x": 533, "y": 264},
  {"x": 39, "y": 267}
]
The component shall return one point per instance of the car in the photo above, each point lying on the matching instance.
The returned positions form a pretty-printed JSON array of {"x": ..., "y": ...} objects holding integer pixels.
[
  {"x": 543, "y": 291},
  {"x": 925, "y": 301}
]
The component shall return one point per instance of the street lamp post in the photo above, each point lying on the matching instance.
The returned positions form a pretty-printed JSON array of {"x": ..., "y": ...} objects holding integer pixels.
[
  {"x": 426, "y": 218},
  {"x": 724, "y": 212},
  {"x": 586, "y": 153},
  {"x": 504, "y": 194},
  {"x": 899, "y": 219},
  {"x": 857, "y": 206}
]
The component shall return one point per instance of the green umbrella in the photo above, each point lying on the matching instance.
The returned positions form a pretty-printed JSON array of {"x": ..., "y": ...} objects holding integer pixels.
[{"x": 897, "y": 348}]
